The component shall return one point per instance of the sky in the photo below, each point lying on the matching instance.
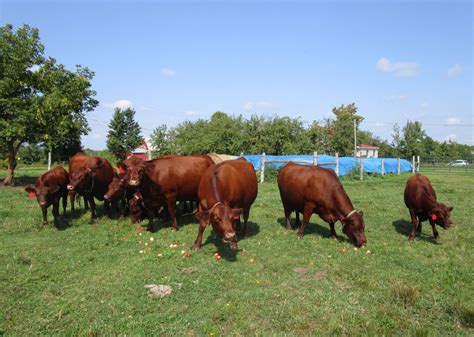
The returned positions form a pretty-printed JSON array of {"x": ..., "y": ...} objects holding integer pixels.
[{"x": 183, "y": 60}]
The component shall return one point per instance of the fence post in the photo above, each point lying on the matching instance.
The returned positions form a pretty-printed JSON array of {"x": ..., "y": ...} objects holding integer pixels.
[
  {"x": 262, "y": 168},
  {"x": 418, "y": 165},
  {"x": 315, "y": 158},
  {"x": 383, "y": 167},
  {"x": 361, "y": 168},
  {"x": 49, "y": 160},
  {"x": 413, "y": 165},
  {"x": 242, "y": 154},
  {"x": 149, "y": 154},
  {"x": 337, "y": 164},
  {"x": 398, "y": 165}
]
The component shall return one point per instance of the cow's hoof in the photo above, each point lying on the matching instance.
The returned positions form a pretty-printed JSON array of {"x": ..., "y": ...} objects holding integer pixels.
[
  {"x": 174, "y": 229},
  {"x": 335, "y": 237},
  {"x": 411, "y": 238},
  {"x": 436, "y": 237},
  {"x": 196, "y": 246},
  {"x": 300, "y": 236}
]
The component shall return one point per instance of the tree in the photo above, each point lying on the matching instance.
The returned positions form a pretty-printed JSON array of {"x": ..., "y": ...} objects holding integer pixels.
[
  {"x": 343, "y": 128},
  {"x": 124, "y": 133},
  {"x": 320, "y": 134},
  {"x": 412, "y": 141},
  {"x": 161, "y": 140},
  {"x": 40, "y": 100}
]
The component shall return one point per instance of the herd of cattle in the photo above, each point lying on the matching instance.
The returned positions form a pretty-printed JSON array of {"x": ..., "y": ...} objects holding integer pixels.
[{"x": 223, "y": 192}]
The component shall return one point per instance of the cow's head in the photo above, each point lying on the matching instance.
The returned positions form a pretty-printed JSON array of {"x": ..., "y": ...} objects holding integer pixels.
[
  {"x": 81, "y": 179},
  {"x": 136, "y": 207},
  {"x": 223, "y": 220},
  {"x": 354, "y": 228},
  {"x": 441, "y": 215},
  {"x": 116, "y": 189},
  {"x": 134, "y": 170},
  {"x": 44, "y": 194}
]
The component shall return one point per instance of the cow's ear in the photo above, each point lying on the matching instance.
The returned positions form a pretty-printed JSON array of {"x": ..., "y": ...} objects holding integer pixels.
[
  {"x": 203, "y": 216},
  {"x": 121, "y": 167},
  {"x": 30, "y": 188},
  {"x": 54, "y": 189},
  {"x": 450, "y": 209}
]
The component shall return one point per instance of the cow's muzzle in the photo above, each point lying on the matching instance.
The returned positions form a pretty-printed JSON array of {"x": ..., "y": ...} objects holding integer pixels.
[
  {"x": 133, "y": 182},
  {"x": 70, "y": 187}
]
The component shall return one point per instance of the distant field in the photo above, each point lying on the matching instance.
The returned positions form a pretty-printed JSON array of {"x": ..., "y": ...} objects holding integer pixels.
[{"x": 89, "y": 279}]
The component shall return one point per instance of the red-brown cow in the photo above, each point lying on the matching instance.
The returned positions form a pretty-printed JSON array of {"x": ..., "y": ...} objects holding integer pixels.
[
  {"x": 165, "y": 180},
  {"x": 48, "y": 189},
  {"x": 420, "y": 198},
  {"x": 76, "y": 163},
  {"x": 312, "y": 189},
  {"x": 92, "y": 180},
  {"x": 226, "y": 191},
  {"x": 118, "y": 192}
]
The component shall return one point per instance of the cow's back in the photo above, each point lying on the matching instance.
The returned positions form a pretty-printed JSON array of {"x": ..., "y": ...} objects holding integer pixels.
[
  {"x": 233, "y": 182},
  {"x": 77, "y": 161},
  {"x": 104, "y": 174},
  {"x": 419, "y": 194}
]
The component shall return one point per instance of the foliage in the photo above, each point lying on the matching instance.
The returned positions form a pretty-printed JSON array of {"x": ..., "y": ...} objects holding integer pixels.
[
  {"x": 40, "y": 100},
  {"x": 31, "y": 153},
  {"x": 343, "y": 128},
  {"x": 124, "y": 133}
]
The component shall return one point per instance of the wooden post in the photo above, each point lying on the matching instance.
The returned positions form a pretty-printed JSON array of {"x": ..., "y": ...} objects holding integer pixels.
[
  {"x": 413, "y": 165},
  {"x": 398, "y": 165},
  {"x": 418, "y": 165},
  {"x": 49, "y": 160},
  {"x": 241, "y": 154},
  {"x": 262, "y": 168},
  {"x": 337, "y": 164},
  {"x": 361, "y": 168},
  {"x": 149, "y": 154},
  {"x": 383, "y": 167},
  {"x": 315, "y": 158}
]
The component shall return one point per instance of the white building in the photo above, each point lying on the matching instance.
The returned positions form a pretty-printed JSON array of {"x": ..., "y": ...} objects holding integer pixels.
[{"x": 367, "y": 151}]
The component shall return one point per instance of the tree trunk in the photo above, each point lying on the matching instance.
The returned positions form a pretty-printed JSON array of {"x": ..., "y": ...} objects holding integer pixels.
[{"x": 12, "y": 151}]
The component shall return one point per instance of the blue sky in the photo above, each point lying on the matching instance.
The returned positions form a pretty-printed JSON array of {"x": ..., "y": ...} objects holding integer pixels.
[{"x": 397, "y": 60}]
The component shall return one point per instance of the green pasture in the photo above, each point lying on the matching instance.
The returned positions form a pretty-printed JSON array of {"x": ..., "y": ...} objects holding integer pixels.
[{"x": 89, "y": 279}]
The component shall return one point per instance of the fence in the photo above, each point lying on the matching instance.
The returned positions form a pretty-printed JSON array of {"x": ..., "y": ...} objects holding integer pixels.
[
  {"x": 428, "y": 165},
  {"x": 340, "y": 165}
]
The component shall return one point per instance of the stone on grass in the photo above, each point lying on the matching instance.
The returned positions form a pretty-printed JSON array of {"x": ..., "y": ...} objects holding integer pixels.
[{"x": 159, "y": 290}]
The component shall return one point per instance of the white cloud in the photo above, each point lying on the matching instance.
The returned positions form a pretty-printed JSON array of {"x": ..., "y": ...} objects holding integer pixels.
[
  {"x": 454, "y": 70},
  {"x": 144, "y": 108},
  {"x": 399, "y": 69},
  {"x": 379, "y": 124},
  {"x": 123, "y": 104},
  {"x": 96, "y": 136},
  {"x": 394, "y": 98},
  {"x": 191, "y": 113},
  {"x": 248, "y": 106},
  {"x": 452, "y": 138},
  {"x": 453, "y": 121},
  {"x": 424, "y": 105},
  {"x": 168, "y": 72}
]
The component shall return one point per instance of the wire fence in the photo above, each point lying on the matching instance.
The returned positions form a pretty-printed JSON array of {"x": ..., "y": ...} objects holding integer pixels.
[{"x": 446, "y": 165}]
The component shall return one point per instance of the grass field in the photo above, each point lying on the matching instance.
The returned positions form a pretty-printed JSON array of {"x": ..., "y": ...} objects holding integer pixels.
[{"x": 89, "y": 279}]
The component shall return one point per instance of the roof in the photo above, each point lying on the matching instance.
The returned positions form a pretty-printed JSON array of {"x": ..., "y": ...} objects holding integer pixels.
[{"x": 367, "y": 146}]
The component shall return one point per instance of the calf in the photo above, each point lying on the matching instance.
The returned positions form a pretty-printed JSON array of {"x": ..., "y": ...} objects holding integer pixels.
[
  {"x": 117, "y": 192},
  {"x": 92, "y": 180},
  {"x": 48, "y": 189},
  {"x": 312, "y": 189},
  {"x": 226, "y": 191},
  {"x": 420, "y": 198},
  {"x": 76, "y": 163},
  {"x": 165, "y": 180}
]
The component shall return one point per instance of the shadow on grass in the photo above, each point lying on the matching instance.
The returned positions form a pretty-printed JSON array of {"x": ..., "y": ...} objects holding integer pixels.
[
  {"x": 316, "y": 229},
  {"x": 20, "y": 181},
  {"x": 404, "y": 228}
]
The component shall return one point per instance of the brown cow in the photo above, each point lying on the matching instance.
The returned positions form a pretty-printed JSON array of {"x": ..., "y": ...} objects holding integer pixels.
[
  {"x": 420, "y": 198},
  {"x": 92, "y": 180},
  {"x": 165, "y": 180},
  {"x": 226, "y": 190},
  {"x": 48, "y": 189},
  {"x": 77, "y": 162},
  {"x": 312, "y": 189},
  {"x": 118, "y": 192}
]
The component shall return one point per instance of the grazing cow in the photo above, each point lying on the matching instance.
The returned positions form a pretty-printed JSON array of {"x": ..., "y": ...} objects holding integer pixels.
[
  {"x": 92, "y": 180},
  {"x": 165, "y": 180},
  {"x": 48, "y": 189},
  {"x": 76, "y": 163},
  {"x": 420, "y": 198},
  {"x": 226, "y": 191},
  {"x": 312, "y": 189}
]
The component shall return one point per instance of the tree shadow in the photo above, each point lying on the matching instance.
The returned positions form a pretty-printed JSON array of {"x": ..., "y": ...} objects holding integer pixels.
[
  {"x": 21, "y": 181},
  {"x": 315, "y": 229},
  {"x": 404, "y": 228}
]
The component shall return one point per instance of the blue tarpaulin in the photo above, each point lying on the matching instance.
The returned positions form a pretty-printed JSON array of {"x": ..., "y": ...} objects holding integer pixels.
[{"x": 346, "y": 164}]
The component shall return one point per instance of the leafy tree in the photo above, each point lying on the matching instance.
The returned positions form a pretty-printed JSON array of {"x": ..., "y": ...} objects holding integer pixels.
[
  {"x": 412, "y": 141},
  {"x": 40, "y": 100},
  {"x": 343, "y": 128},
  {"x": 124, "y": 133},
  {"x": 320, "y": 136},
  {"x": 31, "y": 153},
  {"x": 160, "y": 140}
]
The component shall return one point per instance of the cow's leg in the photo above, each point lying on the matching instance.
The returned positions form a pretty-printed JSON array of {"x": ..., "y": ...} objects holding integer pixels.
[
  {"x": 90, "y": 199},
  {"x": 297, "y": 219},
  {"x": 287, "y": 218},
  {"x": 151, "y": 219},
  {"x": 418, "y": 227},
  {"x": 435, "y": 232},
  {"x": 308, "y": 211},
  {"x": 72, "y": 196},
  {"x": 64, "y": 203},
  {"x": 56, "y": 211},
  {"x": 107, "y": 208},
  {"x": 246, "y": 220},
  {"x": 198, "y": 242},
  {"x": 45, "y": 215},
  {"x": 86, "y": 203},
  {"x": 333, "y": 231},
  {"x": 414, "y": 222},
  {"x": 171, "y": 202}
]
